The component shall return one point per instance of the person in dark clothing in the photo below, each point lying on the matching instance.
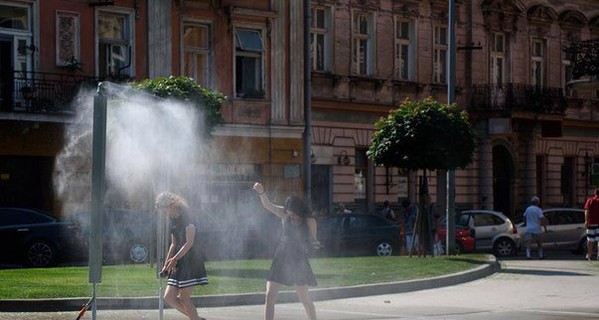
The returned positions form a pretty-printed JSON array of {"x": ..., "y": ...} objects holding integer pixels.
[
  {"x": 184, "y": 264},
  {"x": 387, "y": 212},
  {"x": 290, "y": 264}
]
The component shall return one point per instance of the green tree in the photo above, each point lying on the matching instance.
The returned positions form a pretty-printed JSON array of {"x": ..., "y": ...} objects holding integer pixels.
[
  {"x": 424, "y": 135},
  {"x": 187, "y": 90}
]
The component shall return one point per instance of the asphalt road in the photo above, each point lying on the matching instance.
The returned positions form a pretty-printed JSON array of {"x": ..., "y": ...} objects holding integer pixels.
[{"x": 561, "y": 287}]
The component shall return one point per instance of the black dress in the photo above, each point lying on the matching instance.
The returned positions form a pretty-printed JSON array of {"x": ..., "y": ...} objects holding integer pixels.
[
  {"x": 290, "y": 265},
  {"x": 190, "y": 269}
]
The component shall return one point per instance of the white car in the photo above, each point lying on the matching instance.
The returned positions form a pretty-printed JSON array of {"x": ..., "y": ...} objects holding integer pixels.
[
  {"x": 565, "y": 230},
  {"x": 493, "y": 231}
]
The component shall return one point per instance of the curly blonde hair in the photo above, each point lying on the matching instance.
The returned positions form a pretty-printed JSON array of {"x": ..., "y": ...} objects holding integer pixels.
[{"x": 170, "y": 200}]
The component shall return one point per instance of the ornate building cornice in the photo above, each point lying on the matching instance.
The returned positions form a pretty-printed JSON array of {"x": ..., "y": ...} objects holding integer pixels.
[
  {"x": 366, "y": 5},
  {"x": 501, "y": 15},
  {"x": 408, "y": 9}
]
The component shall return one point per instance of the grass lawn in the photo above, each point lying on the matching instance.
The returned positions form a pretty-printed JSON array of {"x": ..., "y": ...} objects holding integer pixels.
[{"x": 225, "y": 277}]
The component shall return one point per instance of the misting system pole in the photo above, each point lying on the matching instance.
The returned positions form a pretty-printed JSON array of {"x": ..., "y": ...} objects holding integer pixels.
[{"x": 98, "y": 189}]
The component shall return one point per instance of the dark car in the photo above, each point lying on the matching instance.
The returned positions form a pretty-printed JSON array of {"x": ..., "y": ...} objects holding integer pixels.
[
  {"x": 129, "y": 235},
  {"x": 358, "y": 234},
  {"x": 33, "y": 237}
]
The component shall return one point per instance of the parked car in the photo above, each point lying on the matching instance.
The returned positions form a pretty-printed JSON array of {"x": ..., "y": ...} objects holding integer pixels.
[
  {"x": 565, "y": 230},
  {"x": 129, "y": 235},
  {"x": 493, "y": 231},
  {"x": 34, "y": 237},
  {"x": 464, "y": 236},
  {"x": 357, "y": 234}
]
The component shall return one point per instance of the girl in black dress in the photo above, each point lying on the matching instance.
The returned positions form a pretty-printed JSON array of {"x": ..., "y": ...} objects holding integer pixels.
[
  {"x": 184, "y": 265},
  {"x": 290, "y": 265}
]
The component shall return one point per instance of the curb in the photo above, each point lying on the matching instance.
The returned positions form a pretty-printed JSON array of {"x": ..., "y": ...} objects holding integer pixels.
[{"x": 149, "y": 303}]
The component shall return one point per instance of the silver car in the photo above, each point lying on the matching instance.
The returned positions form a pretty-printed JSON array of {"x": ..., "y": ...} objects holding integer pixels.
[
  {"x": 565, "y": 230},
  {"x": 493, "y": 231}
]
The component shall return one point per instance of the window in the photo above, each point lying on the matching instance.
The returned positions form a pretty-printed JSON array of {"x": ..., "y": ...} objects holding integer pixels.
[
  {"x": 197, "y": 52},
  {"x": 14, "y": 17},
  {"x": 362, "y": 36},
  {"x": 538, "y": 62},
  {"x": 440, "y": 55},
  {"x": 497, "y": 58},
  {"x": 67, "y": 38},
  {"x": 114, "y": 45},
  {"x": 248, "y": 64},
  {"x": 404, "y": 50},
  {"x": 567, "y": 72},
  {"x": 360, "y": 174},
  {"x": 320, "y": 50}
]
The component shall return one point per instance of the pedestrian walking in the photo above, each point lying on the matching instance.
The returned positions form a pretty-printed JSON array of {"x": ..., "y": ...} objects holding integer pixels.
[
  {"x": 591, "y": 222},
  {"x": 410, "y": 212},
  {"x": 535, "y": 224},
  {"x": 290, "y": 264},
  {"x": 387, "y": 212},
  {"x": 184, "y": 264}
]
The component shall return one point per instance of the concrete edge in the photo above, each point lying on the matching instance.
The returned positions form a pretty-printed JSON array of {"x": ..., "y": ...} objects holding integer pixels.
[{"x": 317, "y": 294}]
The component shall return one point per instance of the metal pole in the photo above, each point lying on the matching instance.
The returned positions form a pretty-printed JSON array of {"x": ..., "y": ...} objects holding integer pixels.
[
  {"x": 450, "y": 235},
  {"x": 98, "y": 190},
  {"x": 307, "y": 107}
]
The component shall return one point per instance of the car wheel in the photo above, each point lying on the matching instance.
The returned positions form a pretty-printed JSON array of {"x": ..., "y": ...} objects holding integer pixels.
[
  {"x": 504, "y": 247},
  {"x": 139, "y": 253},
  {"x": 40, "y": 254},
  {"x": 384, "y": 249}
]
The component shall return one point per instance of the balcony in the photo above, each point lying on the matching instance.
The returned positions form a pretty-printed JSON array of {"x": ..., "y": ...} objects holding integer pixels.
[
  {"x": 41, "y": 92},
  {"x": 509, "y": 98}
]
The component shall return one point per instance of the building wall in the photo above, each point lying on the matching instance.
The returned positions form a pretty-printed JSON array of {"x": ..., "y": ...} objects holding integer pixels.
[{"x": 346, "y": 105}]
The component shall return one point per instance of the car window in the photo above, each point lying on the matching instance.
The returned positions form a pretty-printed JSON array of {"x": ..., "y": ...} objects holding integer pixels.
[
  {"x": 486, "y": 219},
  {"x": 462, "y": 220},
  {"x": 552, "y": 217},
  {"x": 578, "y": 216},
  {"x": 22, "y": 217},
  {"x": 373, "y": 221}
]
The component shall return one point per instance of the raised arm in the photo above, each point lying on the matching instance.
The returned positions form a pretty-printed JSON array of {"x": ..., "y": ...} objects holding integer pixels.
[{"x": 268, "y": 205}]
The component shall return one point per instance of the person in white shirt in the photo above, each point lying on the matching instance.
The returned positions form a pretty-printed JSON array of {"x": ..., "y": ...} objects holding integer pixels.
[{"x": 535, "y": 224}]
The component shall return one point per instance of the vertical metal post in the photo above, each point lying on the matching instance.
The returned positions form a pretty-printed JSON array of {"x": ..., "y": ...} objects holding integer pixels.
[
  {"x": 307, "y": 107},
  {"x": 98, "y": 190},
  {"x": 450, "y": 212}
]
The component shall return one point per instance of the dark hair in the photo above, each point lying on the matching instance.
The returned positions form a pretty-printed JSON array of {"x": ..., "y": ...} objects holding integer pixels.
[
  {"x": 297, "y": 205},
  {"x": 405, "y": 203},
  {"x": 386, "y": 203}
]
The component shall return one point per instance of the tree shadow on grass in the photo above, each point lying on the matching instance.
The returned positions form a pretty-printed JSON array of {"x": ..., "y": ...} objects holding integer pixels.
[{"x": 253, "y": 274}]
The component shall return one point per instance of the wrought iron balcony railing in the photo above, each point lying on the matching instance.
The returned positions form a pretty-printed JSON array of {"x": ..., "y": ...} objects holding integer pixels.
[
  {"x": 41, "y": 92},
  {"x": 510, "y": 97},
  {"x": 584, "y": 58}
]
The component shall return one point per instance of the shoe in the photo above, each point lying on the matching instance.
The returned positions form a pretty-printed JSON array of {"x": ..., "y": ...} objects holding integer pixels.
[
  {"x": 588, "y": 257},
  {"x": 527, "y": 258},
  {"x": 542, "y": 258}
]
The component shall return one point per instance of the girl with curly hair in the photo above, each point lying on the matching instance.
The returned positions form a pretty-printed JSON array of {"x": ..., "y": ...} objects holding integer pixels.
[{"x": 184, "y": 264}]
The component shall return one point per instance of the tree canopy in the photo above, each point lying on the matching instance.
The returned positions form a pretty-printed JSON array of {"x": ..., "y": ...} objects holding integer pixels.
[
  {"x": 187, "y": 90},
  {"x": 424, "y": 135}
]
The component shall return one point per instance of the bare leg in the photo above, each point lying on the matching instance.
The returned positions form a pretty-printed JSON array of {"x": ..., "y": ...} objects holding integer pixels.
[
  {"x": 185, "y": 300},
  {"x": 304, "y": 297},
  {"x": 540, "y": 249},
  {"x": 171, "y": 296},
  {"x": 590, "y": 249},
  {"x": 272, "y": 292}
]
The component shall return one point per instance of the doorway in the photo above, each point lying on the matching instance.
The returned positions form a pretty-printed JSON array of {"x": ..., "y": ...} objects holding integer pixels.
[
  {"x": 321, "y": 189},
  {"x": 6, "y": 74},
  {"x": 503, "y": 180}
]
